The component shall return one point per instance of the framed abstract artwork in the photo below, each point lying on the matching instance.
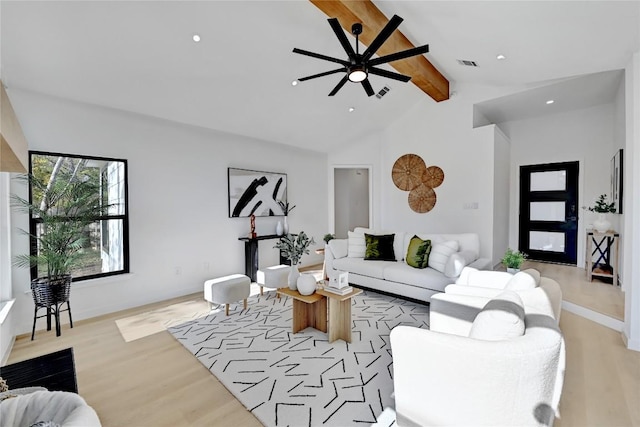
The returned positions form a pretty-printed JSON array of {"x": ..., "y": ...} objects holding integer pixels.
[
  {"x": 617, "y": 167},
  {"x": 256, "y": 192}
]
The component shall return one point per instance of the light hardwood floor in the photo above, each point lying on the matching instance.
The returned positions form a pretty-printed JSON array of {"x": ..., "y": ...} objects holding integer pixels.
[
  {"x": 596, "y": 295},
  {"x": 154, "y": 381}
]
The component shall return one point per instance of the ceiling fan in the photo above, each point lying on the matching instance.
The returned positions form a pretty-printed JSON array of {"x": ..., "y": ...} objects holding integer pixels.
[{"x": 359, "y": 65}]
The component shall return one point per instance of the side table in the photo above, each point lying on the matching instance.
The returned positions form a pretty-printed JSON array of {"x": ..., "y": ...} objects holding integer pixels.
[
  {"x": 601, "y": 258},
  {"x": 339, "y": 314},
  {"x": 308, "y": 310}
]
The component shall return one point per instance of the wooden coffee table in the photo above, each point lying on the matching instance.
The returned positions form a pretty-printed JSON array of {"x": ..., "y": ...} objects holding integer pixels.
[
  {"x": 308, "y": 310},
  {"x": 339, "y": 314}
]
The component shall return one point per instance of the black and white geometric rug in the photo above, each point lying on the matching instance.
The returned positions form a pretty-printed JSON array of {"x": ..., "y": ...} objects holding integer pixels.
[{"x": 288, "y": 379}]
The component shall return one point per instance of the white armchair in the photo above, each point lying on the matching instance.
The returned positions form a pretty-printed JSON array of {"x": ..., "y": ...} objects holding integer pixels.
[
  {"x": 540, "y": 295},
  {"x": 444, "y": 377}
]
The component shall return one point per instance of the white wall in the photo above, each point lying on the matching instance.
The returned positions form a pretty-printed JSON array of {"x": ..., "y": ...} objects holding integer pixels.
[
  {"x": 583, "y": 135},
  {"x": 6, "y": 292},
  {"x": 178, "y": 208},
  {"x": 443, "y": 135},
  {"x": 631, "y": 253},
  {"x": 501, "y": 194}
]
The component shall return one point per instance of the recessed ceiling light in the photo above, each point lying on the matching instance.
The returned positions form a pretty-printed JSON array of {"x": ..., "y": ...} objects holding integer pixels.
[
  {"x": 351, "y": 109},
  {"x": 196, "y": 38},
  {"x": 549, "y": 102},
  {"x": 501, "y": 57},
  {"x": 294, "y": 83}
]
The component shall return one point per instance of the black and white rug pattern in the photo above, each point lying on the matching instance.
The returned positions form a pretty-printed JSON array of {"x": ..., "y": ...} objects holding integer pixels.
[{"x": 301, "y": 379}]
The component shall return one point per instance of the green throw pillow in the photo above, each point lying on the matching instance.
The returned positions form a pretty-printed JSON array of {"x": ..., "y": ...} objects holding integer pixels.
[
  {"x": 418, "y": 252},
  {"x": 379, "y": 247}
]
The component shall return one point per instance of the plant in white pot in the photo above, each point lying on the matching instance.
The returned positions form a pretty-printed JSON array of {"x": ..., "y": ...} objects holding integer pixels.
[
  {"x": 292, "y": 248},
  {"x": 602, "y": 208},
  {"x": 513, "y": 260}
]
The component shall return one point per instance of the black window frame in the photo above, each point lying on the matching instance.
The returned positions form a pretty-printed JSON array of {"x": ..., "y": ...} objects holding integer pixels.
[{"x": 33, "y": 222}]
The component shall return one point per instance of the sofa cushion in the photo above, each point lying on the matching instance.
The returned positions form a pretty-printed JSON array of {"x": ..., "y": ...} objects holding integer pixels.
[
  {"x": 418, "y": 252},
  {"x": 521, "y": 281},
  {"x": 339, "y": 247},
  {"x": 362, "y": 267},
  {"x": 501, "y": 318},
  {"x": 427, "y": 278},
  {"x": 356, "y": 245},
  {"x": 440, "y": 254},
  {"x": 379, "y": 247}
]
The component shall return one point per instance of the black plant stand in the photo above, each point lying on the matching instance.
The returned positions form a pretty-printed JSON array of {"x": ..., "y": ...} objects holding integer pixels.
[{"x": 251, "y": 254}]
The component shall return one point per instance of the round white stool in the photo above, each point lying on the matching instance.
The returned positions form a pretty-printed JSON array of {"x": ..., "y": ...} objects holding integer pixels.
[{"x": 227, "y": 289}]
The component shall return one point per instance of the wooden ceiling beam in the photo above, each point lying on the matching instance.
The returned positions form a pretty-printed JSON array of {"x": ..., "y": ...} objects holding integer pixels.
[{"x": 423, "y": 73}]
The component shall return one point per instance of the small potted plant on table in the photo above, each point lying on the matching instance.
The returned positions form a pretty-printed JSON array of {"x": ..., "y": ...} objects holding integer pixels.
[{"x": 513, "y": 260}]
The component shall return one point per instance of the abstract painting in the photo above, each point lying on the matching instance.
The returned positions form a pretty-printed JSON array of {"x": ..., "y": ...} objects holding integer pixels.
[
  {"x": 256, "y": 193},
  {"x": 617, "y": 169}
]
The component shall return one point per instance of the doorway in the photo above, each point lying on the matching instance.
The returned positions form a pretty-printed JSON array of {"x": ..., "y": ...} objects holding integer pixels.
[
  {"x": 548, "y": 223},
  {"x": 351, "y": 199}
]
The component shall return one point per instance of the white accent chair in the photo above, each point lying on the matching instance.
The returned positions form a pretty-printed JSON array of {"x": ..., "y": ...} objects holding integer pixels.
[{"x": 453, "y": 375}]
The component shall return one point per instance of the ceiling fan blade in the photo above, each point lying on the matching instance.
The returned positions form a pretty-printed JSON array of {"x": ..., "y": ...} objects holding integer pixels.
[
  {"x": 320, "y": 56},
  {"x": 367, "y": 87},
  {"x": 339, "y": 85},
  {"x": 388, "y": 74},
  {"x": 326, "y": 73},
  {"x": 400, "y": 55},
  {"x": 335, "y": 25},
  {"x": 382, "y": 37}
]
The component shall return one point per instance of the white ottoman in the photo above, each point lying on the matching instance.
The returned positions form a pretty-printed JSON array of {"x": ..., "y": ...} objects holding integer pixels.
[
  {"x": 273, "y": 277},
  {"x": 227, "y": 289}
]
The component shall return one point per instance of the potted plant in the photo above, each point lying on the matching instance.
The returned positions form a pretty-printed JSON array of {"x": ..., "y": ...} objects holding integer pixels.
[
  {"x": 513, "y": 260},
  {"x": 64, "y": 204},
  {"x": 328, "y": 237},
  {"x": 286, "y": 208},
  {"x": 292, "y": 248},
  {"x": 602, "y": 224}
]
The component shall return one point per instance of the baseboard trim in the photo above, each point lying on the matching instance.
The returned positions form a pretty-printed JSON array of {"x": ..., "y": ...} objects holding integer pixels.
[
  {"x": 630, "y": 344},
  {"x": 7, "y": 353},
  {"x": 594, "y": 316}
]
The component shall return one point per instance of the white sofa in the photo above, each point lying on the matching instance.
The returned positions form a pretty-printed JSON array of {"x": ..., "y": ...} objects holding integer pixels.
[
  {"x": 453, "y": 375},
  {"x": 396, "y": 277}
]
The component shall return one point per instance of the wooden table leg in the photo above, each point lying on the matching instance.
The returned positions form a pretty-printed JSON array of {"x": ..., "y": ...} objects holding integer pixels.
[
  {"x": 310, "y": 315},
  {"x": 339, "y": 320}
]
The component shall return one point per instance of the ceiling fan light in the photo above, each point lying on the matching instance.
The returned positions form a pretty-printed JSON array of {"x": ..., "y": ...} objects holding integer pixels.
[{"x": 357, "y": 74}]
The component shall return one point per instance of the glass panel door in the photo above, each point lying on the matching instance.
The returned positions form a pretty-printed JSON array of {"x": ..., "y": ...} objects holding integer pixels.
[{"x": 548, "y": 212}]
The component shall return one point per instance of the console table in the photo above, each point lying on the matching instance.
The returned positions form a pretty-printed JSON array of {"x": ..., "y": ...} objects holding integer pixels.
[
  {"x": 251, "y": 254},
  {"x": 601, "y": 258}
]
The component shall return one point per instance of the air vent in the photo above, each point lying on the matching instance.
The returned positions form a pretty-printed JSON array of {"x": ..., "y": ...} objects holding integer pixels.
[
  {"x": 383, "y": 92},
  {"x": 467, "y": 63}
]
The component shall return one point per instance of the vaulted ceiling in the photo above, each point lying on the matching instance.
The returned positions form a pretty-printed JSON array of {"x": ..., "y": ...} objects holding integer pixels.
[{"x": 139, "y": 56}]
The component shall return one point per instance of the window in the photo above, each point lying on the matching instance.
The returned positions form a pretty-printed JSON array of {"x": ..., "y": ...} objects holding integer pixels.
[{"x": 105, "y": 246}]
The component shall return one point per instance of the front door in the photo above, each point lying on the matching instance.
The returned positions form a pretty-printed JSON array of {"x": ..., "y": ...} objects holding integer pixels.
[{"x": 548, "y": 227}]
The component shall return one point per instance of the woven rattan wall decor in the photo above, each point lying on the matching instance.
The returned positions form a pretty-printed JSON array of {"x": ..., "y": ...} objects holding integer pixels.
[{"x": 410, "y": 173}]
